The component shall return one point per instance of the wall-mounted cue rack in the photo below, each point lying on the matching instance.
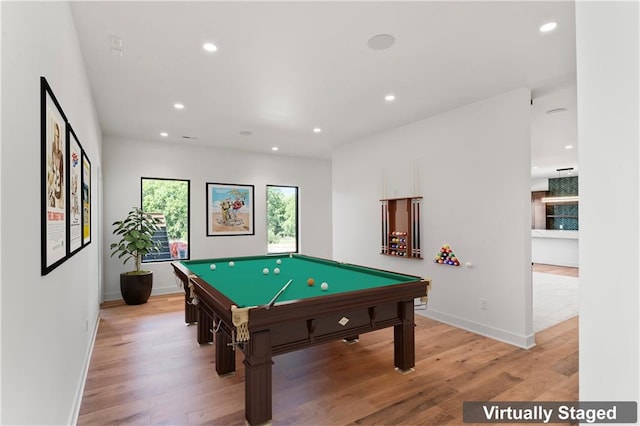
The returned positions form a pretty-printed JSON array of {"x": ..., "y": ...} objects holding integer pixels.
[{"x": 401, "y": 227}]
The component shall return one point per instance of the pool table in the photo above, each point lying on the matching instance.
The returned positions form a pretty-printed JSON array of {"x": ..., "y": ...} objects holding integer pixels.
[{"x": 248, "y": 309}]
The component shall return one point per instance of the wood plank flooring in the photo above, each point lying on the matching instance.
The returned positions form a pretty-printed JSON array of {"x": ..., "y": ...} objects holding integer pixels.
[
  {"x": 557, "y": 270},
  {"x": 147, "y": 368}
]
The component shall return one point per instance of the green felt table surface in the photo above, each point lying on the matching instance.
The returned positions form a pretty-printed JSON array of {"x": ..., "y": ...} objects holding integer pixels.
[{"x": 246, "y": 284}]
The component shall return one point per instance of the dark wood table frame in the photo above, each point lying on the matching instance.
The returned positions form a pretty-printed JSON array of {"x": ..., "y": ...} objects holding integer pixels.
[{"x": 293, "y": 325}]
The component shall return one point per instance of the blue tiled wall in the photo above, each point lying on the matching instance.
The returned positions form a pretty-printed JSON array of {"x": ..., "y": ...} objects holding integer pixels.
[{"x": 559, "y": 187}]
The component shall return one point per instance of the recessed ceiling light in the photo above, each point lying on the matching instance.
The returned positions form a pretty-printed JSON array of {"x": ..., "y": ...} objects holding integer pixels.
[
  {"x": 317, "y": 130},
  {"x": 556, "y": 110},
  {"x": 275, "y": 148},
  {"x": 178, "y": 105},
  {"x": 164, "y": 134},
  {"x": 246, "y": 133},
  {"x": 549, "y": 26},
  {"x": 210, "y": 47},
  {"x": 381, "y": 41},
  {"x": 568, "y": 147},
  {"x": 390, "y": 98}
]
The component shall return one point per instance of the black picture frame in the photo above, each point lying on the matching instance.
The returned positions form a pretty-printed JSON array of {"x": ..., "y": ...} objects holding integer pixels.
[
  {"x": 230, "y": 209},
  {"x": 54, "y": 183},
  {"x": 74, "y": 198},
  {"x": 86, "y": 200}
]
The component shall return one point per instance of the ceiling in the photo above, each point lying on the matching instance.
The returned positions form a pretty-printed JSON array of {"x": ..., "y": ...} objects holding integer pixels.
[{"x": 283, "y": 68}]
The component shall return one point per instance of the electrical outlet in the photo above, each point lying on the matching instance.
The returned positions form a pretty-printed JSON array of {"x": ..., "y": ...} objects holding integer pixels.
[{"x": 484, "y": 304}]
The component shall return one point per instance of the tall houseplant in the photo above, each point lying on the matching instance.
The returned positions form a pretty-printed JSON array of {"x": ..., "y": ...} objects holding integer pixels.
[{"x": 136, "y": 240}]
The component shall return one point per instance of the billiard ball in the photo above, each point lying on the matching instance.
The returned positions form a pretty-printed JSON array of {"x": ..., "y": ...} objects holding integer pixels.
[
  {"x": 310, "y": 282},
  {"x": 278, "y": 262},
  {"x": 232, "y": 263},
  {"x": 324, "y": 286},
  {"x": 213, "y": 267},
  {"x": 265, "y": 271},
  {"x": 276, "y": 271}
]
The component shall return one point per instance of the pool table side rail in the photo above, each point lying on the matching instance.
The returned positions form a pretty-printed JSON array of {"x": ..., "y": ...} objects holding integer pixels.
[
  {"x": 375, "y": 302},
  {"x": 182, "y": 274},
  {"x": 283, "y": 312},
  {"x": 360, "y": 268},
  {"x": 213, "y": 298}
]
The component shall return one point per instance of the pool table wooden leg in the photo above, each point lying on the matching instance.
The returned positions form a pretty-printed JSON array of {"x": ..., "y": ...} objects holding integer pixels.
[
  {"x": 257, "y": 382},
  {"x": 190, "y": 310},
  {"x": 404, "y": 339},
  {"x": 351, "y": 339},
  {"x": 205, "y": 325},
  {"x": 225, "y": 355}
]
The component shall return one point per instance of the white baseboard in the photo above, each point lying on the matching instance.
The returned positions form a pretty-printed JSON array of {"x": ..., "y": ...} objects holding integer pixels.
[
  {"x": 75, "y": 412},
  {"x": 155, "y": 292},
  {"x": 521, "y": 341}
]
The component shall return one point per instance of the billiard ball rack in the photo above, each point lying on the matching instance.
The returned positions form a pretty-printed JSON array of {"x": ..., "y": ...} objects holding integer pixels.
[{"x": 400, "y": 219}]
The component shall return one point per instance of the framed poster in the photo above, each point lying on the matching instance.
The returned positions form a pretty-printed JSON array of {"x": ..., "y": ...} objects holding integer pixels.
[
  {"x": 54, "y": 189},
  {"x": 230, "y": 209},
  {"x": 74, "y": 170},
  {"x": 86, "y": 199}
]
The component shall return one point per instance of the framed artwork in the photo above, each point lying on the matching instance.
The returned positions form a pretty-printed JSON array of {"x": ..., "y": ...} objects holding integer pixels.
[
  {"x": 86, "y": 200},
  {"x": 230, "y": 209},
  {"x": 74, "y": 200},
  {"x": 54, "y": 182}
]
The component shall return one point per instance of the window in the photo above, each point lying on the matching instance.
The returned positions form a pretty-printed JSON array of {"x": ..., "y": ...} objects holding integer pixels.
[
  {"x": 168, "y": 201},
  {"x": 282, "y": 219}
]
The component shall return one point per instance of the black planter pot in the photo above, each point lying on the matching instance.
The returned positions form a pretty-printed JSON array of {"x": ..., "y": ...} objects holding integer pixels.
[{"x": 136, "y": 289}]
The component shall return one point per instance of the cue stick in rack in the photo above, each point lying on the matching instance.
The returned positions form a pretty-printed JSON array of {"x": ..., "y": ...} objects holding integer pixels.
[
  {"x": 284, "y": 287},
  {"x": 418, "y": 229}
]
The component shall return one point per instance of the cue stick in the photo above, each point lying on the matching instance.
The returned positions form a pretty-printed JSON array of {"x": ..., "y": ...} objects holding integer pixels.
[
  {"x": 414, "y": 224},
  {"x": 418, "y": 229},
  {"x": 284, "y": 287}
]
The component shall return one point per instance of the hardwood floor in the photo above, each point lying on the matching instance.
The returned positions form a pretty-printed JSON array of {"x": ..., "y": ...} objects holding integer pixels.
[
  {"x": 557, "y": 270},
  {"x": 147, "y": 368}
]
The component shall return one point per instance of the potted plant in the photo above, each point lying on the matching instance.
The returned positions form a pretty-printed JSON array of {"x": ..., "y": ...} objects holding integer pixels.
[{"x": 136, "y": 240}]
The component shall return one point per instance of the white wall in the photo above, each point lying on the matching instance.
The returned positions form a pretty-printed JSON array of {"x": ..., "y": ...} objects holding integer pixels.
[
  {"x": 473, "y": 168},
  {"x": 608, "y": 50},
  {"x": 0, "y": 225},
  {"x": 123, "y": 170},
  {"x": 47, "y": 322}
]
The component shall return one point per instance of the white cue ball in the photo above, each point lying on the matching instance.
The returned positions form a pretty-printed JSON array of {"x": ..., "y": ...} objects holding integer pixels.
[
  {"x": 324, "y": 286},
  {"x": 265, "y": 271},
  {"x": 276, "y": 271},
  {"x": 213, "y": 267},
  {"x": 232, "y": 264},
  {"x": 278, "y": 262}
]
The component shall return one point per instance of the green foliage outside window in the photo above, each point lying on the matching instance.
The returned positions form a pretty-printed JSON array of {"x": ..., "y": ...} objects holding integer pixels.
[
  {"x": 282, "y": 219},
  {"x": 171, "y": 198}
]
